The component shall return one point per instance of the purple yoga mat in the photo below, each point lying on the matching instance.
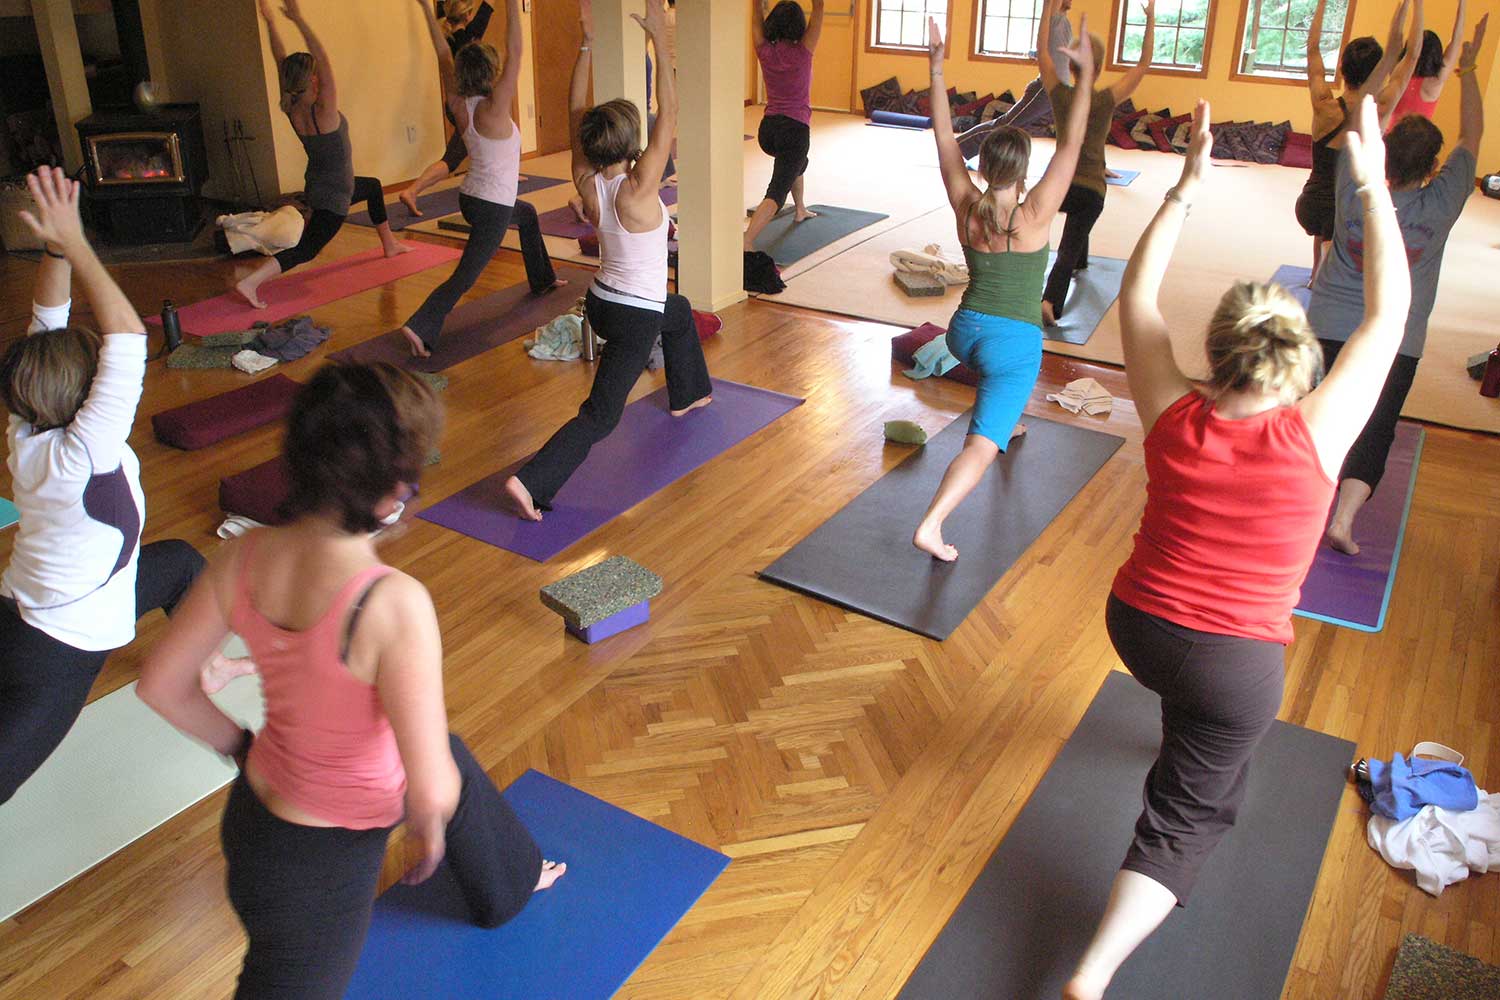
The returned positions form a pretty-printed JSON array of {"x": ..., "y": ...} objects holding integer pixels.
[
  {"x": 1355, "y": 591},
  {"x": 562, "y": 222},
  {"x": 649, "y": 450},
  {"x": 436, "y": 204},
  {"x": 478, "y": 325}
]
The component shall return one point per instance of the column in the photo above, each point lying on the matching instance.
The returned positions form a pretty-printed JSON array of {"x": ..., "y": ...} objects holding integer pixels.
[
  {"x": 57, "y": 34},
  {"x": 620, "y": 54}
]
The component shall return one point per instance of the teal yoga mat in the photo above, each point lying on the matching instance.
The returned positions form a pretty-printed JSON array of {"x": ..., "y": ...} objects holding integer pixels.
[
  {"x": 8, "y": 513},
  {"x": 788, "y": 242},
  {"x": 1091, "y": 294}
]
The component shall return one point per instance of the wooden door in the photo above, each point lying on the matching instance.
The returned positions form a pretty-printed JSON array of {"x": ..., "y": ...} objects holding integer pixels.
[
  {"x": 555, "y": 39},
  {"x": 833, "y": 62}
]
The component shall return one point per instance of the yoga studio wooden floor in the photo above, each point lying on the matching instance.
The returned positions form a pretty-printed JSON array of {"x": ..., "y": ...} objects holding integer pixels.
[{"x": 859, "y": 775}]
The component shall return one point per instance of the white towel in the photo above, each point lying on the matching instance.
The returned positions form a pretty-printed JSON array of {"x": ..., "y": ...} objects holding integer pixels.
[
  {"x": 265, "y": 232},
  {"x": 930, "y": 260},
  {"x": 559, "y": 340},
  {"x": 251, "y": 363},
  {"x": 1441, "y": 845},
  {"x": 1083, "y": 395}
]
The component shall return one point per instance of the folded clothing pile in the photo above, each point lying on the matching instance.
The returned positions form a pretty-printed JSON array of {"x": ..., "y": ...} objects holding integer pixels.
[
  {"x": 253, "y": 350},
  {"x": 1083, "y": 395},
  {"x": 930, "y": 261}
]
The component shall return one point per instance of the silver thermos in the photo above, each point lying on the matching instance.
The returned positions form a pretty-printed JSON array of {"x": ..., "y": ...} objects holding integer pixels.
[{"x": 590, "y": 347}]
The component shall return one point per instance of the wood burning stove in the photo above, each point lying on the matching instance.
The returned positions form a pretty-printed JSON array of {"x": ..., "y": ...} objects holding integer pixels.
[{"x": 144, "y": 172}]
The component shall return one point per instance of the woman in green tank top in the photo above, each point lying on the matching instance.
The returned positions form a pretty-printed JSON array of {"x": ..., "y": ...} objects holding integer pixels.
[{"x": 997, "y": 328}]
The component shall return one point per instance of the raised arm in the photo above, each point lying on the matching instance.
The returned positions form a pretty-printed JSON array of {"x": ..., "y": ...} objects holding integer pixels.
[
  {"x": 1455, "y": 46},
  {"x": 1126, "y": 85},
  {"x": 444, "y": 53},
  {"x": 51, "y": 295},
  {"x": 648, "y": 170},
  {"x": 956, "y": 181},
  {"x": 1043, "y": 200},
  {"x": 1337, "y": 409},
  {"x": 1388, "y": 58},
  {"x": 758, "y": 22},
  {"x": 578, "y": 105},
  {"x": 1317, "y": 73},
  {"x": 328, "y": 93},
  {"x": 814, "y": 27},
  {"x": 1046, "y": 69},
  {"x": 1471, "y": 106},
  {"x": 1150, "y": 369},
  {"x": 278, "y": 47},
  {"x": 1401, "y": 75},
  {"x": 504, "y": 93}
]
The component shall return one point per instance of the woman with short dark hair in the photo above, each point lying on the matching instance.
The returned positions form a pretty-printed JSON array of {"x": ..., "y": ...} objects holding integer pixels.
[
  {"x": 784, "y": 44},
  {"x": 1417, "y": 83}
]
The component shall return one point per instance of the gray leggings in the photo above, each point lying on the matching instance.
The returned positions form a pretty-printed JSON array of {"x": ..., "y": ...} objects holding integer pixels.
[{"x": 1219, "y": 695}]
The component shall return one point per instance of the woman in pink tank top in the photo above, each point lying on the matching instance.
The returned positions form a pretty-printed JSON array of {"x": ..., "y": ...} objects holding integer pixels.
[
  {"x": 1239, "y": 480},
  {"x": 628, "y": 304},
  {"x": 356, "y": 737},
  {"x": 1417, "y": 81},
  {"x": 785, "y": 40}
]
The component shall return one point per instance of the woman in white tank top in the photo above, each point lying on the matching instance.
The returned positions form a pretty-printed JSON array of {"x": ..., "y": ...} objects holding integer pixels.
[
  {"x": 479, "y": 93},
  {"x": 628, "y": 303}
]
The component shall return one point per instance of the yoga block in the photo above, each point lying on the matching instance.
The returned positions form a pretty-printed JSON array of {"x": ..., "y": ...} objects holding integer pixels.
[
  {"x": 592, "y": 596},
  {"x": 614, "y": 624},
  {"x": 918, "y": 285},
  {"x": 209, "y": 421},
  {"x": 1476, "y": 365}
]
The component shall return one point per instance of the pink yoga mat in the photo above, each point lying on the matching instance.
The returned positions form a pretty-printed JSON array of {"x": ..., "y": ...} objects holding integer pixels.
[{"x": 307, "y": 288}]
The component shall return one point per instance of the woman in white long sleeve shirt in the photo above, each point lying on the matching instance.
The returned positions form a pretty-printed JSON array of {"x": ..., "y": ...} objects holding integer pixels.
[{"x": 78, "y": 577}]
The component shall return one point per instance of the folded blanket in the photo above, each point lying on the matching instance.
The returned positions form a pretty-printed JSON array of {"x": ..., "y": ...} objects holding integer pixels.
[
  {"x": 251, "y": 363},
  {"x": 930, "y": 260},
  {"x": 264, "y": 232},
  {"x": 932, "y": 358},
  {"x": 1083, "y": 395}
]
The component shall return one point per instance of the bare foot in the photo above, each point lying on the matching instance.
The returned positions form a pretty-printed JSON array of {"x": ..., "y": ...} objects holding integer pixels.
[
  {"x": 396, "y": 248},
  {"x": 519, "y": 497},
  {"x": 221, "y": 670},
  {"x": 1115, "y": 174},
  {"x": 1341, "y": 538},
  {"x": 693, "y": 406},
  {"x": 803, "y": 214},
  {"x": 556, "y": 284},
  {"x": 418, "y": 349},
  {"x": 1080, "y": 987},
  {"x": 551, "y": 872},
  {"x": 1048, "y": 317},
  {"x": 247, "y": 291},
  {"x": 930, "y": 540},
  {"x": 409, "y": 199},
  {"x": 1020, "y": 430}
]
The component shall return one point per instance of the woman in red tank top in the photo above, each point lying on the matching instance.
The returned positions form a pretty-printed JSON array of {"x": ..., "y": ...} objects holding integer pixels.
[
  {"x": 1239, "y": 480},
  {"x": 356, "y": 737},
  {"x": 1417, "y": 81}
]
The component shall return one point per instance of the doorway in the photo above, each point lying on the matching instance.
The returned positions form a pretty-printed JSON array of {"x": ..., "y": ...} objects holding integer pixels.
[{"x": 555, "y": 37}]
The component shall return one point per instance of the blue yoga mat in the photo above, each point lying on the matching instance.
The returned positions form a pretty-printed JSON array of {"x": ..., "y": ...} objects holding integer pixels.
[
  {"x": 788, "y": 242},
  {"x": 1294, "y": 279},
  {"x": 8, "y": 513},
  {"x": 627, "y": 885},
  {"x": 436, "y": 204}
]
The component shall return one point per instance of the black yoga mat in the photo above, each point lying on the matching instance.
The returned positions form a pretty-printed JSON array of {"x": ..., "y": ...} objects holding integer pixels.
[
  {"x": 862, "y": 557},
  {"x": 1022, "y": 926},
  {"x": 788, "y": 241},
  {"x": 1092, "y": 292}
]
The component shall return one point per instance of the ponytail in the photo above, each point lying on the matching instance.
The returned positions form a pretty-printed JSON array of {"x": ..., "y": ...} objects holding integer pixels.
[{"x": 296, "y": 73}]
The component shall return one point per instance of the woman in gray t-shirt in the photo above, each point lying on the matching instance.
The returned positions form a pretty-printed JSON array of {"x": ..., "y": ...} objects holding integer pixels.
[{"x": 1428, "y": 203}]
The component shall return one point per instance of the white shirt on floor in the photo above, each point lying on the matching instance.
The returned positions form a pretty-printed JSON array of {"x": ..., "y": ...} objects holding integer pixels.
[{"x": 1441, "y": 845}]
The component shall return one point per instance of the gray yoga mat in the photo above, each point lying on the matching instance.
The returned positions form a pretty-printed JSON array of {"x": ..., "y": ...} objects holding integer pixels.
[
  {"x": 862, "y": 557},
  {"x": 788, "y": 242},
  {"x": 1093, "y": 291},
  {"x": 1029, "y": 915}
]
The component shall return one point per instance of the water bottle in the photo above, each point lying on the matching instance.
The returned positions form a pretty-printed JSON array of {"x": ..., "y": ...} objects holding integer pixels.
[
  {"x": 589, "y": 347},
  {"x": 170, "y": 327},
  {"x": 1491, "y": 385}
]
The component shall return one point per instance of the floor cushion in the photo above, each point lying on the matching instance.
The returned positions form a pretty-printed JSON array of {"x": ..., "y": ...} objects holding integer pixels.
[
  {"x": 905, "y": 347},
  {"x": 209, "y": 421}
]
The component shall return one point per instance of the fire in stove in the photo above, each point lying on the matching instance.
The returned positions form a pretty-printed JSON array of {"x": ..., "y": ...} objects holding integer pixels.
[{"x": 136, "y": 158}]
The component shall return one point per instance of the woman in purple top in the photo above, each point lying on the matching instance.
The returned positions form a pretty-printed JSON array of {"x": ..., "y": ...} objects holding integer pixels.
[{"x": 784, "y": 44}]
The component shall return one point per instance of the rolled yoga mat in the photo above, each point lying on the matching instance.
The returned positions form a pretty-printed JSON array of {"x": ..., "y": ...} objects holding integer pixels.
[
  {"x": 478, "y": 325},
  {"x": 627, "y": 885},
  {"x": 649, "y": 450},
  {"x": 435, "y": 204},
  {"x": 788, "y": 242},
  {"x": 307, "y": 288},
  {"x": 862, "y": 557},
  {"x": 1023, "y": 924},
  {"x": 1355, "y": 591},
  {"x": 1294, "y": 279},
  {"x": 895, "y": 119},
  {"x": 1091, "y": 293}
]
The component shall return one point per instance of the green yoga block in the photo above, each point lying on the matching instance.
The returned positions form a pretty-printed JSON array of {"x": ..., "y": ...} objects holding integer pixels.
[
  {"x": 234, "y": 338},
  {"x": 591, "y": 595},
  {"x": 918, "y": 286},
  {"x": 190, "y": 356}
]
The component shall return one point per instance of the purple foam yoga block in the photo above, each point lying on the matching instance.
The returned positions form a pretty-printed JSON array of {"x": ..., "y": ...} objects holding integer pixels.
[{"x": 616, "y": 623}]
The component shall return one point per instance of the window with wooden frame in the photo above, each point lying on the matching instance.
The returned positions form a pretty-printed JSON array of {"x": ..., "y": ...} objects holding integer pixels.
[
  {"x": 901, "y": 25},
  {"x": 1183, "y": 29},
  {"x": 1273, "y": 37},
  {"x": 1006, "y": 29}
]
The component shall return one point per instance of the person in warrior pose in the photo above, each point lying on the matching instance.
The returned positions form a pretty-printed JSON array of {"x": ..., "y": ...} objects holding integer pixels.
[
  {"x": 784, "y": 44},
  {"x": 463, "y": 21}
]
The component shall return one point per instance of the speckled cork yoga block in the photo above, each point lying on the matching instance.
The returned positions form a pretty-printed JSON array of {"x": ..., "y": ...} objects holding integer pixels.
[
  {"x": 1426, "y": 970},
  {"x": 605, "y": 599}
]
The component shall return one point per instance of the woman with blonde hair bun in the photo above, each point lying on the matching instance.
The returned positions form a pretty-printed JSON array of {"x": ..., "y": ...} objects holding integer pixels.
[
  {"x": 997, "y": 330},
  {"x": 1239, "y": 478}
]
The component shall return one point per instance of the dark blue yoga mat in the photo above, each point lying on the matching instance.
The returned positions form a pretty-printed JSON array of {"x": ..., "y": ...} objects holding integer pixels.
[
  {"x": 896, "y": 119},
  {"x": 1355, "y": 591},
  {"x": 649, "y": 450},
  {"x": 436, "y": 204},
  {"x": 1294, "y": 279},
  {"x": 788, "y": 242},
  {"x": 1090, "y": 295},
  {"x": 627, "y": 885}
]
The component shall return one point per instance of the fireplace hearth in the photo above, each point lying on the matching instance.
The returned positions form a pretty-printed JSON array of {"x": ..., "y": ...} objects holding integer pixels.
[{"x": 144, "y": 172}]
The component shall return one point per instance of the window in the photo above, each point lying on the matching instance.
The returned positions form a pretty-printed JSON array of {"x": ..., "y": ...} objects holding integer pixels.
[
  {"x": 902, "y": 24},
  {"x": 1273, "y": 41},
  {"x": 1182, "y": 32},
  {"x": 1007, "y": 28}
]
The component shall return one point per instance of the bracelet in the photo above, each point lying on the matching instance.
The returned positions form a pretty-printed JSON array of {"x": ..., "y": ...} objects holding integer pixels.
[
  {"x": 1462, "y": 70},
  {"x": 1173, "y": 196},
  {"x": 583, "y": 48},
  {"x": 55, "y": 256}
]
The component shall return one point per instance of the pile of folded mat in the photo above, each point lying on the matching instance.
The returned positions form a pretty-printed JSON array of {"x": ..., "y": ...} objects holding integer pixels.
[
  {"x": 1133, "y": 128},
  {"x": 251, "y": 351}
]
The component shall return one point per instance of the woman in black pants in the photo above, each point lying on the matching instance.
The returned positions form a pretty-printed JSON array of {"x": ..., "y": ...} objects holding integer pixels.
[
  {"x": 480, "y": 94},
  {"x": 309, "y": 96},
  {"x": 356, "y": 737},
  {"x": 78, "y": 577},
  {"x": 784, "y": 45},
  {"x": 628, "y": 302},
  {"x": 463, "y": 22},
  {"x": 1239, "y": 479},
  {"x": 1085, "y": 199}
]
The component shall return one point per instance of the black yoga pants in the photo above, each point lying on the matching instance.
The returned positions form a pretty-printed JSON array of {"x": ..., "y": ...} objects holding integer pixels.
[
  {"x": 488, "y": 222},
  {"x": 305, "y": 893},
  {"x": 1082, "y": 206},
  {"x": 324, "y": 225},
  {"x": 44, "y": 682},
  {"x": 1315, "y": 211},
  {"x": 787, "y": 141},
  {"x": 1366, "y": 458},
  {"x": 1219, "y": 696},
  {"x": 629, "y": 334},
  {"x": 456, "y": 152}
]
